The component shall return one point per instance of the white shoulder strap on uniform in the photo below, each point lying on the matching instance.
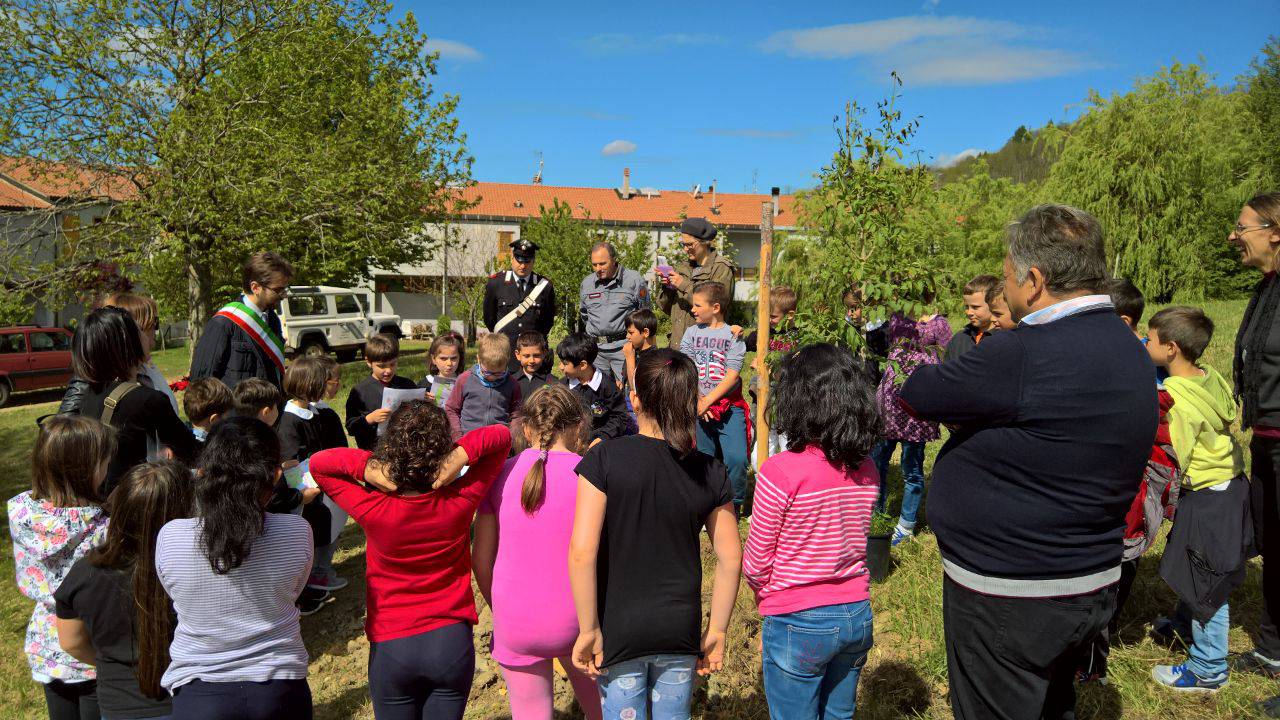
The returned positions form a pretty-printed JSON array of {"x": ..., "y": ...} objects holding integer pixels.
[{"x": 523, "y": 307}]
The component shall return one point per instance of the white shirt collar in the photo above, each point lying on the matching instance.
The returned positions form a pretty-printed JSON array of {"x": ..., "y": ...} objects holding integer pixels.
[
  {"x": 594, "y": 383},
  {"x": 1067, "y": 308},
  {"x": 249, "y": 301},
  {"x": 304, "y": 413}
]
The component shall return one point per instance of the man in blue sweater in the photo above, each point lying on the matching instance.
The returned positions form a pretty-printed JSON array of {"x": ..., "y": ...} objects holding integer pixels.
[{"x": 1053, "y": 423}]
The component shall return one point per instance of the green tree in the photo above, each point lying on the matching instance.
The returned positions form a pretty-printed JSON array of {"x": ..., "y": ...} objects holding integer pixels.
[
  {"x": 307, "y": 127},
  {"x": 1263, "y": 101},
  {"x": 564, "y": 253},
  {"x": 1164, "y": 167},
  {"x": 853, "y": 229}
]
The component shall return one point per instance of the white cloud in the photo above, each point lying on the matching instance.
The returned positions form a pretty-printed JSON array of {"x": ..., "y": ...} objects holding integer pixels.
[
  {"x": 879, "y": 36},
  {"x": 618, "y": 147},
  {"x": 453, "y": 50},
  {"x": 931, "y": 50},
  {"x": 630, "y": 44},
  {"x": 946, "y": 160}
]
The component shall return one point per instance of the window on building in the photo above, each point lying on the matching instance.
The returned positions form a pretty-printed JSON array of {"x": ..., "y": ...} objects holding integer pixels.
[
  {"x": 749, "y": 273},
  {"x": 347, "y": 305}
]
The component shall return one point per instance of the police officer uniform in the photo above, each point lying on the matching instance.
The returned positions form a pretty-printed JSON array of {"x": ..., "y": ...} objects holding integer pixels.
[
  {"x": 514, "y": 305},
  {"x": 605, "y": 305}
]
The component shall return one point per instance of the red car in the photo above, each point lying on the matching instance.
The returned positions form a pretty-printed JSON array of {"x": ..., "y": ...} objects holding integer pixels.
[{"x": 33, "y": 358}]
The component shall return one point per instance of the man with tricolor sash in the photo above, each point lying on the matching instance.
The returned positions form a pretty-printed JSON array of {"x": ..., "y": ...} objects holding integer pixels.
[{"x": 243, "y": 339}]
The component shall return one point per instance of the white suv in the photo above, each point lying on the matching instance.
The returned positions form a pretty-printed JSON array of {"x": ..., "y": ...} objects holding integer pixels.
[{"x": 318, "y": 319}]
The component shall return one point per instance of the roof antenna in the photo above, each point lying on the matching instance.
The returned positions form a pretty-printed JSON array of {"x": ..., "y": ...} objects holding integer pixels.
[{"x": 537, "y": 179}]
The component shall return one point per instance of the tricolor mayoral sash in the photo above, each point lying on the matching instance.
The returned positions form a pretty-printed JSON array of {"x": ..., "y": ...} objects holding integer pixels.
[{"x": 252, "y": 322}]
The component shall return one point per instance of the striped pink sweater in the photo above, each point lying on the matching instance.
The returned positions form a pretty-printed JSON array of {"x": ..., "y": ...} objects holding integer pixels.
[{"x": 808, "y": 541}]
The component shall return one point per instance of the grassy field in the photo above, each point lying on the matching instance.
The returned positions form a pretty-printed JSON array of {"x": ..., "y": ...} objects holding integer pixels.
[{"x": 905, "y": 675}]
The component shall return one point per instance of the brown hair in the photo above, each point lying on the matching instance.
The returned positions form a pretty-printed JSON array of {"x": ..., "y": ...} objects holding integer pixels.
[
  {"x": 1188, "y": 327},
  {"x": 531, "y": 338},
  {"x": 552, "y": 411},
  {"x": 263, "y": 267},
  {"x": 329, "y": 365},
  {"x": 69, "y": 452},
  {"x": 714, "y": 293},
  {"x": 852, "y": 297},
  {"x": 1267, "y": 205},
  {"x": 382, "y": 348},
  {"x": 667, "y": 385},
  {"x": 782, "y": 298},
  {"x": 305, "y": 378},
  {"x": 206, "y": 397},
  {"x": 417, "y": 440},
  {"x": 493, "y": 350},
  {"x": 147, "y": 497},
  {"x": 981, "y": 284},
  {"x": 140, "y": 307},
  {"x": 253, "y": 394}
]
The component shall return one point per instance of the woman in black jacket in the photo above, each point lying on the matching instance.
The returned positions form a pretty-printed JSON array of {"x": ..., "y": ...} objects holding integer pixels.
[
  {"x": 1256, "y": 368},
  {"x": 107, "y": 352}
]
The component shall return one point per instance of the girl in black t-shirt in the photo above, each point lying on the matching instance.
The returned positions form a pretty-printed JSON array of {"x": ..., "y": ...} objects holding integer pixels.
[
  {"x": 634, "y": 559},
  {"x": 112, "y": 610}
]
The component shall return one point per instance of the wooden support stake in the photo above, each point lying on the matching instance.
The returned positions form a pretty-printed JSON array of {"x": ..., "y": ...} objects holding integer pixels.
[{"x": 762, "y": 334}]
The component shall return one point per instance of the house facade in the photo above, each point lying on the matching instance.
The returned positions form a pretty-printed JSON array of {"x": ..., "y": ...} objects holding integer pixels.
[{"x": 419, "y": 293}]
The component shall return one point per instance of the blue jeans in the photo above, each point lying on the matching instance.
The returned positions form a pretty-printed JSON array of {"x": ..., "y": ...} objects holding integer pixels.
[
  {"x": 812, "y": 660},
  {"x": 653, "y": 687},
  {"x": 912, "y": 464},
  {"x": 1208, "y": 651},
  {"x": 726, "y": 439}
]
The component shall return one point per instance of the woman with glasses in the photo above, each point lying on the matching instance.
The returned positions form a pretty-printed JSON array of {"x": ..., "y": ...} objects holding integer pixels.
[{"x": 1256, "y": 368}]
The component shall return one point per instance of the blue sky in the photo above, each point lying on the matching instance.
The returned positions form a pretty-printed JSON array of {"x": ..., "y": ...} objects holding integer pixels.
[{"x": 745, "y": 92}]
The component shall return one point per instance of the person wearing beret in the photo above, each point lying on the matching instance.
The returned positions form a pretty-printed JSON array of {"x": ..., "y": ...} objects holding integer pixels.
[
  {"x": 704, "y": 265},
  {"x": 519, "y": 300}
]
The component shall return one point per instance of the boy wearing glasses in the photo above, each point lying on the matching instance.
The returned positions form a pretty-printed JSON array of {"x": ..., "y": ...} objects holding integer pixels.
[
  {"x": 243, "y": 339},
  {"x": 486, "y": 394}
]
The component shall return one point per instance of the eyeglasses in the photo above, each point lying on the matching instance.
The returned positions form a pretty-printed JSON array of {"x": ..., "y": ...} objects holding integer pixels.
[
  {"x": 281, "y": 291},
  {"x": 1242, "y": 229}
]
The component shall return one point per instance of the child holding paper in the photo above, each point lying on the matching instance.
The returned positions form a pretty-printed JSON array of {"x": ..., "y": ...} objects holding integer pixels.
[{"x": 364, "y": 404}]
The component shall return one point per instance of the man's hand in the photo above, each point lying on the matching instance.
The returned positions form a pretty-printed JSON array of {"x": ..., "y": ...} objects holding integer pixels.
[
  {"x": 449, "y": 469},
  {"x": 377, "y": 416}
]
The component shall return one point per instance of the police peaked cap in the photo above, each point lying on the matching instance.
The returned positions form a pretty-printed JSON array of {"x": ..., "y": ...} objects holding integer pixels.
[
  {"x": 523, "y": 249},
  {"x": 699, "y": 228}
]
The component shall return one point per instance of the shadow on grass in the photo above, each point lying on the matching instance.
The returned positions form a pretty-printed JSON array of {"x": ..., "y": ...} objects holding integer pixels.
[
  {"x": 341, "y": 620},
  {"x": 36, "y": 397},
  {"x": 1095, "y": 701},
  {"x": 343, "y": 705},
  {"x": 893, "y": 689}
]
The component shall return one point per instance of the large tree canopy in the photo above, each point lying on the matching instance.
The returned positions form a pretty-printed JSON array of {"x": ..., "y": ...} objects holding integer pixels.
[{"x": 307, "y": 127}]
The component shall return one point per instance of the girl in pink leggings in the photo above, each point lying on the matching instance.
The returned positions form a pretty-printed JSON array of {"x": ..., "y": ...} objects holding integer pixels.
[{"x": 519, "y": 557}]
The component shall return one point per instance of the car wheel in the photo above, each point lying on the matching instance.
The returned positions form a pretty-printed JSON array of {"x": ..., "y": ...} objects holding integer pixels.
[
  {"x": 5, "y": 392},
  {"x": 313, "y": 348},
  {"x": 392, "y": 330}
]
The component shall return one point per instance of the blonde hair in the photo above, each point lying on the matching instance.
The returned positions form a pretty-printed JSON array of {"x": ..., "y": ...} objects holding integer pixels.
[
  {"x": 493, "y": 350},
  {"x": 552, "y": 411},
  {"x": 782, "y": 298},
  {"x": 142, "y": 308}
]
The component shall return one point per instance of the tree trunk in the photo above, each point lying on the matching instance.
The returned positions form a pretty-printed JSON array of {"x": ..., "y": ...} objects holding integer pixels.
[{"x": 199, "y": 299}]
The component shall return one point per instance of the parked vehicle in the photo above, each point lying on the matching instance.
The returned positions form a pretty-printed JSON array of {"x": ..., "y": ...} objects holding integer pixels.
[
  {"x": 33, "y": 358},
  {"x": 319, "y": 319}
]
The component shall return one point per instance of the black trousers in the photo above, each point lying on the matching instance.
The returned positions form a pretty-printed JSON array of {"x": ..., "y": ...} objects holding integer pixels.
[
  {"x": 1264, "y": 491},
  {"x": 423, "y": 677},
  {"x": 72, "y": 701},
  {"x": 269, "y": 700},
  {"x": 1093, "y": 659},
  {"x": 1015, "y": 658}
]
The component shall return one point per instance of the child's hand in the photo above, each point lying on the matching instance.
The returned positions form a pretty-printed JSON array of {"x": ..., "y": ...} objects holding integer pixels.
[
  {"x": 712, "y": 659},
  {"x": 287, "y": 464},
  {"x": 737, "y": 331},
  {"x": 702, "y": 406},
  {"x": 449, "y": 469},
  {"x": 377, "y": 416},
  {"x": 588, "y": 653},
  {"x": 309, "y": 494}
]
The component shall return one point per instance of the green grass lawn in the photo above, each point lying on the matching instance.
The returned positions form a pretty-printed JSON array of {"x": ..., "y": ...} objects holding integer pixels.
[{"x": 905, "y": 675}]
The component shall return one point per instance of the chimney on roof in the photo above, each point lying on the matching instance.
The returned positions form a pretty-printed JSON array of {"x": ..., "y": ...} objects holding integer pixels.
[
  {"x": 715, "y": 209},
  {"x": 625, "y": 192},
  {"x": 773, "y": 192}
]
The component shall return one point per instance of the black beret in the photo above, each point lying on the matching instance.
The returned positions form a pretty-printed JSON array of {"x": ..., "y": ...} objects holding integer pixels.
[
  {"x": 699, "y": 228},
  {"x": 523, "y": 248}
]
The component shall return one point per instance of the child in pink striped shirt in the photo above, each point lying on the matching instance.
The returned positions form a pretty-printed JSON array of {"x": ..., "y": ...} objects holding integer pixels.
[{"x": 805, "y": 556}]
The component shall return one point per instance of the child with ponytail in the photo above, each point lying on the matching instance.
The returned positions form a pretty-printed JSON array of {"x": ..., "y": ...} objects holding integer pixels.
[
  {"x": 112, "y": 610},
  {"x": 634, "y": 559},
  {"x": 521, "y": 539}
]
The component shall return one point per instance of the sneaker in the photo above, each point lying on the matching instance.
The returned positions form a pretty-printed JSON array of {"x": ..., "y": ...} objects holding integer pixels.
[
  {"x": 310, "y": 602},
  {"x": 329, "y": 584},
  {"x": 1255, "y": 662},
  {"x": 900, "y": 536},
  {"x": 1166, "y": 632},
  {"x": 1269, "y": 707},
  {"x": 1180, "y": 678}
]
